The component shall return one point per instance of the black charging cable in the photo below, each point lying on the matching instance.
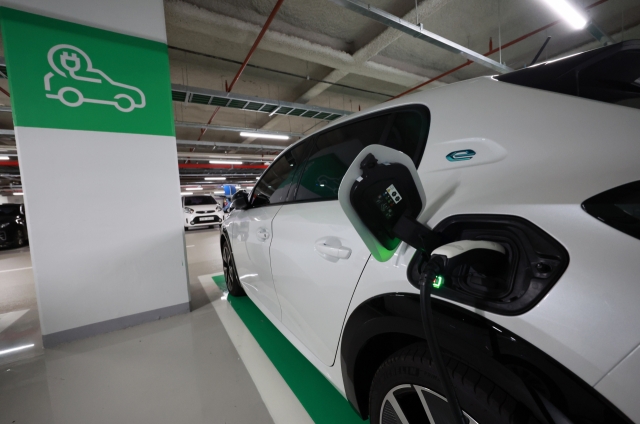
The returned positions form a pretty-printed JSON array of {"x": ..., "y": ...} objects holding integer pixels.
[{"x": 430, "y": 273}]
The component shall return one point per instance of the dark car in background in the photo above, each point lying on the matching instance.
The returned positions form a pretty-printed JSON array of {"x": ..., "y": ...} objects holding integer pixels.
[{"x": 13, "y": 225}]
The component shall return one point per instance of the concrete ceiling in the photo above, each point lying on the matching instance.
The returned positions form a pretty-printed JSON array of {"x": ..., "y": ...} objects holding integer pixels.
[{"x": 318, "y": 39}]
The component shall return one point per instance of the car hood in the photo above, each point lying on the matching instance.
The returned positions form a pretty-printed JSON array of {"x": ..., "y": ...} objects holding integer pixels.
[{"x": 203, "y": 207}]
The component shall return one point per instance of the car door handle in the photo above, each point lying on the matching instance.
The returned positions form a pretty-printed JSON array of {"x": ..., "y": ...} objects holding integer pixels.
[
  {"x": 340, "y": 252},
  {"x": 263, "y": 234}
]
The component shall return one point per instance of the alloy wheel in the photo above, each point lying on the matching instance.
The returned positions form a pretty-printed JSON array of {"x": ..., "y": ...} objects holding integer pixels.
[{"x": 412, "y": 404}]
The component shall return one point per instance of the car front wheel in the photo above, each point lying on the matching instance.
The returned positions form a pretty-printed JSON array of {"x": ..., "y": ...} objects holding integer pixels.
[
  {"x": 406, "y": 389},
  {"x": 230, "y": 273}
]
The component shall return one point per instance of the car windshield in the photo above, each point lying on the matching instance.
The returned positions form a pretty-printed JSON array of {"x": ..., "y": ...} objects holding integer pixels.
[
  {"x": 9, "y": 210},
  {"x": 199, "y": 200}
]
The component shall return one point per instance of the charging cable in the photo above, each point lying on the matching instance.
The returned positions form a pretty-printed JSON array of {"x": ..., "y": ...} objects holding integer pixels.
[{"x": 430, "y": 277}]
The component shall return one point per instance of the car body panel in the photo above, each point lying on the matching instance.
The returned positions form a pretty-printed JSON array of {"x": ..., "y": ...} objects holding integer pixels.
[
  {"x": 538, "y": 155},
  {"x": 621, "y": 385},
  {"x": 315, "y": 289},
  {"x": 251, "y": 237}
]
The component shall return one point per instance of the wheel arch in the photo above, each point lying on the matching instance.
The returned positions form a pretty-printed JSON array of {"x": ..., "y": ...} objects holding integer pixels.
[{"x": 387, "y": 323}]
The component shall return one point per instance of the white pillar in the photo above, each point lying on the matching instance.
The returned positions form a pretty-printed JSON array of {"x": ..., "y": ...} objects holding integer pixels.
[{"x": 89, "y": 81}]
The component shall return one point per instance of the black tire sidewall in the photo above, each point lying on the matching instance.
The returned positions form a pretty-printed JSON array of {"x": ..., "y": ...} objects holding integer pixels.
[
  {"x": 234, "y": 286},
  {"x": 414, "y": 367}
]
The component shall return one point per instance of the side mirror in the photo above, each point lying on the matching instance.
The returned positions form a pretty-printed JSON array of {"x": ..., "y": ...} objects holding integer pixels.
[
  {"x": 382, "y": 196},
  {"x": 240, "y": 200}
]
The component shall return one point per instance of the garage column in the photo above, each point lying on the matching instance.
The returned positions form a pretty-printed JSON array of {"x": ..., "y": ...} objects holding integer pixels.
[{"x": 91, "y": 98}]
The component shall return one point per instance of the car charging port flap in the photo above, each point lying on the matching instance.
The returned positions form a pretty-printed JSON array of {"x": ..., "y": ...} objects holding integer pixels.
[{"x": 535, "y": 261}]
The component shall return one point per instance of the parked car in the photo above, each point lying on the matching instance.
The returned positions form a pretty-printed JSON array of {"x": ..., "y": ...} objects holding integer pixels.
[
  {"x": 13, "y": 225},
  {"x": 201, "y": 211},
  {"x": 543, "y": 161}
]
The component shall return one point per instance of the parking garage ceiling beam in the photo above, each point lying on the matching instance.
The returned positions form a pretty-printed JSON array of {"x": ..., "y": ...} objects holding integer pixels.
[
  {"x": 185, "y": 16},
  {"x": 236, "y": 129},
  {"x": 211, "y": 156},
  {"x": 231, "y": 145},
  {"x": 362, "y": 56},
  {"x": 420, "y": 33}
]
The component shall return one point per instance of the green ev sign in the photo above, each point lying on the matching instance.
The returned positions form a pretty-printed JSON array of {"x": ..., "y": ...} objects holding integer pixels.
[
  {"x": 83, "y": 83},
  {"x": 70, "y": 76}
]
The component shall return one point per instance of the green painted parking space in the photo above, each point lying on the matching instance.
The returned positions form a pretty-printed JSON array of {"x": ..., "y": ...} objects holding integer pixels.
[{"x": 320, "y": 399}]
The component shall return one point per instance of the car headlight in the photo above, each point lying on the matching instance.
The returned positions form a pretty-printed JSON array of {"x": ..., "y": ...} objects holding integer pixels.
[
  {"x": 6, "y": 224},
  {"x": 188, "y": 210},
  {"x": 218, "y": 208}
]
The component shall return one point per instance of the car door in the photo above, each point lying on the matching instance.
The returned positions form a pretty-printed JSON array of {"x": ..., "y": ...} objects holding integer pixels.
[
  {"x": 251, "y": 232},
  {"x": 317, "y": 257}
]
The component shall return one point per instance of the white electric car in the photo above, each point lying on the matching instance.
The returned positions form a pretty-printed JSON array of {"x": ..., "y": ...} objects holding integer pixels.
[
  {"x": 201, "y": 211},
  {"x": 544, "y": 161}
]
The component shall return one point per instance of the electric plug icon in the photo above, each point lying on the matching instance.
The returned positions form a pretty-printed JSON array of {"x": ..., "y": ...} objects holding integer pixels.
[{"x": 70, "y": 62}]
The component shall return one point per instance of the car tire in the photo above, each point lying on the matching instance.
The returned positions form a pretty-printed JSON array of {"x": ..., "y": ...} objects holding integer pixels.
[
  {"x": 186, "y": 228},
  {"x": 230, "y": 272},
  {"x": 409, "y": 373}
]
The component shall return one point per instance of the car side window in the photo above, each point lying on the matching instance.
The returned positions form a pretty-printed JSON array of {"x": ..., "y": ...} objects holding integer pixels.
[
  {"x": 334, "y": 151},
  {"x": 276, "y": 181}
]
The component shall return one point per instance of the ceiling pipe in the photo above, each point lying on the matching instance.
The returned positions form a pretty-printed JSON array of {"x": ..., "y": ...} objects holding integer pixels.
[
  {"x": 214, "y": 144},
  {"x": 237, "y": 146},
  {"x": 195, "y": 125},
  {"x": 236, "y": 129},
  {"x": 419, "y": 32},
  {"x": 218, "y": 166},
  {"x": 180, "y": 165},
  {"x": 220, "y": 175},
  {"x": 492, "y": 51},
  {"x": 207, "y": 156},
  {"x": 246, "y": 60}
]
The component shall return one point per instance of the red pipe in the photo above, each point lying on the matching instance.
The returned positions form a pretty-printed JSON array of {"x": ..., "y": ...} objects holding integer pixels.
[
  {"x": 492, "y": 51},
  {"x": 218, "y": 166},
  {"x": 180, "y": 165},
  {"x": 5, "y": 91},
  {"x": 246, "y": 60}
]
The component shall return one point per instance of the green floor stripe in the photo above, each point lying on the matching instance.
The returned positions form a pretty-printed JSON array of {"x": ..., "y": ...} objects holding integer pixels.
[{"x": 321, "y": 400}]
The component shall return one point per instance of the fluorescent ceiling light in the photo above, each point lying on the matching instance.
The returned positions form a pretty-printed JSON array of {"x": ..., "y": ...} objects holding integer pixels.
[
  {"x": 568, "y": 12},
  {"x": 15, "y": 349},
  {"x": 18, "y": 194},
  {"x": 193, "y": 188},
  {"x": 226, "y": 162},
  {"x": 261, "y": 135},
  {"x": 215, "y": 178},
  {"x": 4, "y": 157},
  {"x": 186, "y": 193},
  {"x": 257, "y": 178},
  {"x": 218, "y": 192}
]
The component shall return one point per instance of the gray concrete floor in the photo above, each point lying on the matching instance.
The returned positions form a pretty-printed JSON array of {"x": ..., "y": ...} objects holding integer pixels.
[{"x": 183, "y": 369}]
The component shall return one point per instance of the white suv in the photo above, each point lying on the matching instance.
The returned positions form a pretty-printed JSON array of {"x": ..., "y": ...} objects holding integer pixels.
[
  {"x": 201, "y": 211},
  {"x": 544, "y": 161}
]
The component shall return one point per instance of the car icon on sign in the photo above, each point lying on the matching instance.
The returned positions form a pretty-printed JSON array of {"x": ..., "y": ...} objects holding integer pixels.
[{"x": 78, "y": 82}]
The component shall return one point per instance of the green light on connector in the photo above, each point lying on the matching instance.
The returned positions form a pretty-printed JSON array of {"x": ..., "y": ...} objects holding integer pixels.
[{"x": 438, "y": 281}]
